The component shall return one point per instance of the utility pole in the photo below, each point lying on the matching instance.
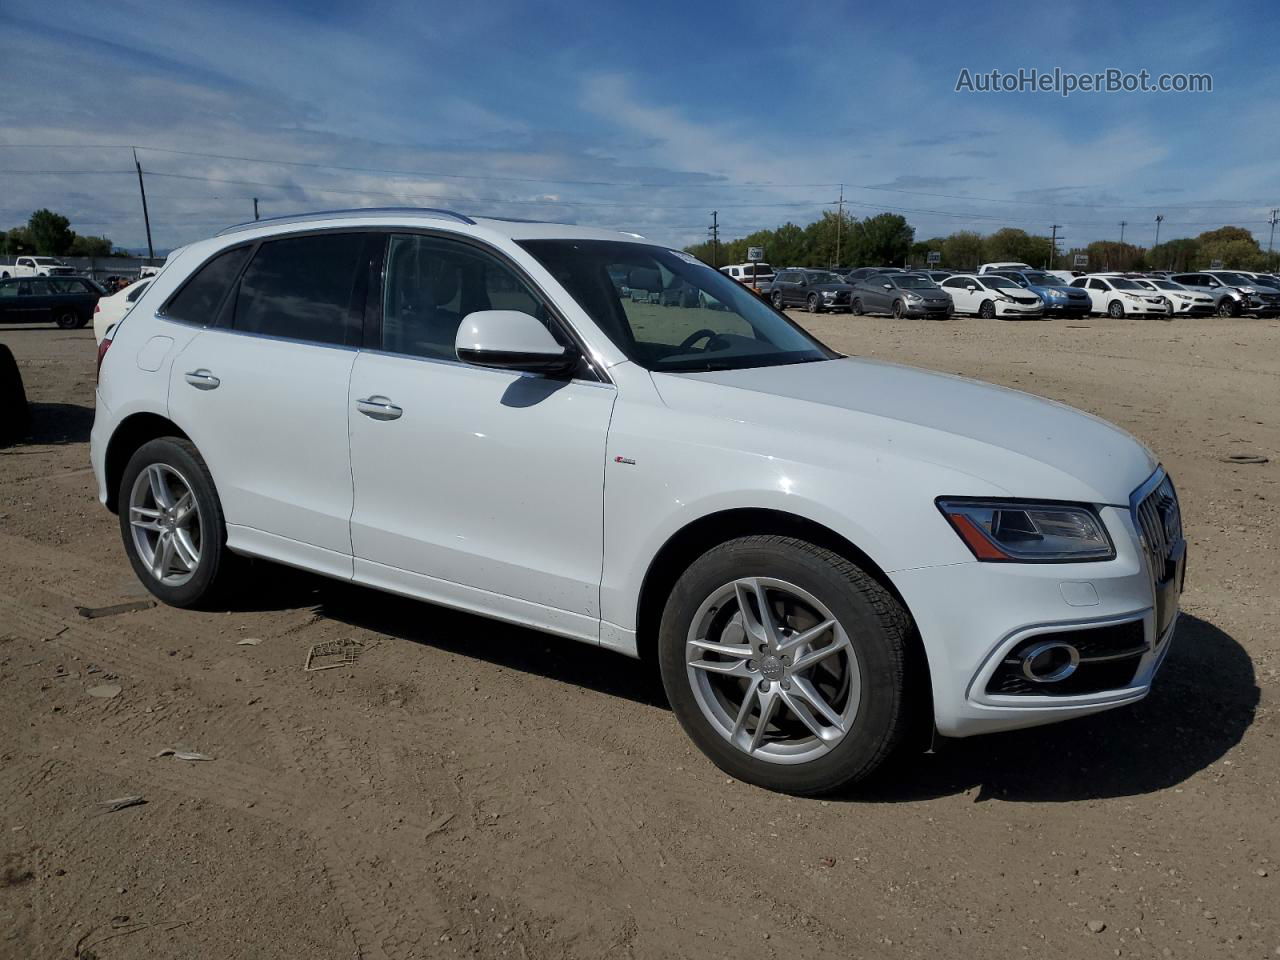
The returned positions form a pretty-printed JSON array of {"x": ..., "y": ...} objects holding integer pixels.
[
  {"x": 840, "y": 225},
  {"x": 1123, "y": 224},
  {"x": 714, "y": 230},
  {"x": 1272, "y": 239},
  {"x": 1159, "y": 220},
  {"x": 1053, "y": 245},
  {"x": 146, "y": 218},
  {"x": 255, "y": 208}
]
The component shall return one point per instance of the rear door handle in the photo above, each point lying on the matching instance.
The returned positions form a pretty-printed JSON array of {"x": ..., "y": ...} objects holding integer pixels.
[
  {"x": 202, "y": 379},
  {"x": 378, "y": 408}
]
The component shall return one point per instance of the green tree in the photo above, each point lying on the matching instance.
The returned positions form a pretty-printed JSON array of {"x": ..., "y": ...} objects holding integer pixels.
[
  {"x": 90, "y": 246},
  {"x": 882, "y": 241},
  {"x": 1112, "y": 255},
  {"x": 962, "y": 250},
  {"x": 1180, "y": 255},
  {"x": 1234, "y": 246},
  {"x": 50, "y": 233},
  {"x": 17, "y": 240},
  {"x": 1013, "y": 244}
]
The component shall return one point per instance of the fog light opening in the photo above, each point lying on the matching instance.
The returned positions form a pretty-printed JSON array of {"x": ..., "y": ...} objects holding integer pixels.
[{"x": 1050, "y": 662}]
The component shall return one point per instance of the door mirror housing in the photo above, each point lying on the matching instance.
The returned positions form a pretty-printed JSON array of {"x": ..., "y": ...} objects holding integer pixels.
[
  {"x": 972, "y": 288},
  {"x": 887, "y": 286},
  {"x": 511, "y": 340}
]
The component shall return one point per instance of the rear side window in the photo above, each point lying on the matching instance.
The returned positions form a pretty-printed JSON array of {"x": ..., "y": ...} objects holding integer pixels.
[
  {"x": 200, "y": 297},
  {"x": 302, "y": 288}
]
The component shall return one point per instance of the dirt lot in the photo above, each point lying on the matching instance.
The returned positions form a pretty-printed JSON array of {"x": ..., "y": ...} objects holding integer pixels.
[{"x": 473, "y": 789}]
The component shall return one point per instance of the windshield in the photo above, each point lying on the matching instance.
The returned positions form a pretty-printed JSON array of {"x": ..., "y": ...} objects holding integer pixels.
[
  {"x": 1121, "y": 284},
  {"x": 817, "y": 276},
  {"x": 1042, "y": 280},
  {"x": 1235, "y": 279},
  {"x": 1167, "y": 285},
  {"x": 909, "y": 281},
  {"x": 673, "y": 312},
  {"x": 1000, "y": 283},
  {"x": 47, "y": 261}
]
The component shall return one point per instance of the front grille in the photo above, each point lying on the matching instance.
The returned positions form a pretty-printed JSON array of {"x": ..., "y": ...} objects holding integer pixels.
[
  {"x": 1023, "y": 299},
  {"x": 1109, "y": 659},
  {"x": 1159, "y": 520}
]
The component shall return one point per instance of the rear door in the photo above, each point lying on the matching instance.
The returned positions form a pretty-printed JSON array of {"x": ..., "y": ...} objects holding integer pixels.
[{"x": 263, "y": 395}]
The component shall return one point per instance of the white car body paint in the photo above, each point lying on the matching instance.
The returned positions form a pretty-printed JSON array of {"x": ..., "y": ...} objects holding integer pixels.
[{"x": 545, "y": 502}]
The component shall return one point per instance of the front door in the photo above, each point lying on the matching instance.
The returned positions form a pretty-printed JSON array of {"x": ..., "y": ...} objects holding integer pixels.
[{"x": 479, "y": 488}]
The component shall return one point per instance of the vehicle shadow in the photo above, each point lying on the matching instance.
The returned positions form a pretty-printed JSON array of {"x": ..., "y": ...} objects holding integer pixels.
[
  {"x": 1203, "y": 701},
  {"x": 60, "y": 423},
  {"x": 517, "y": 648}
]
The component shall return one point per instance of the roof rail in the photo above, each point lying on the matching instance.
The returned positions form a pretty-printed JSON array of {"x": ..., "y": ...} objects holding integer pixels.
[{"x": 349, "y": 212}]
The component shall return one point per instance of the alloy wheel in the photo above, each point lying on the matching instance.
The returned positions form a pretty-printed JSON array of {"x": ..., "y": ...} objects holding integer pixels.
[
  {"x": 772, "y": 670},
  {"x": 164, "y": 519}
]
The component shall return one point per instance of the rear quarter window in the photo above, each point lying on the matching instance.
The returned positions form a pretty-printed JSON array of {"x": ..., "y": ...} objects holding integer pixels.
[{"x": 200, "y": 297}]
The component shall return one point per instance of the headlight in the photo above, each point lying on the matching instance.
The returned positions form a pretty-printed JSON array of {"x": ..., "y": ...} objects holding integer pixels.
[
  {"x": 828, "y": 293},
  {"x": 914, "y": 297},
  {"x": 1012, "y": 530},
  {"x": 1056, "y": 295},
  {"x": 1003, "y": 299}
]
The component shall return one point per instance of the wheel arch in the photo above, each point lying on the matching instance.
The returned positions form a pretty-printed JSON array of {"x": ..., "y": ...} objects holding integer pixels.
[
  {"x": 700, "y": 535},
  {"x": 132, "y": 432}
]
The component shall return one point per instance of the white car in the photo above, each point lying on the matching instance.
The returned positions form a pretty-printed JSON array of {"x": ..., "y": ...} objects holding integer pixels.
[
  {"x": 111, "y": 310},
  {"x": 1004, "y": 265},
  {"x": 817, "y": 551},
  {"x": 37, "y": 267},
  {"x": 1119, "y": 296},
  {"x": 992, "y": 296},
  {"x": 1182, "y": 302}
]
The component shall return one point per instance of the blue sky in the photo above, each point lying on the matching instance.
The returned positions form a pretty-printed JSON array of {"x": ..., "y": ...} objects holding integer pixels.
[{"x": 643, "y": 116}]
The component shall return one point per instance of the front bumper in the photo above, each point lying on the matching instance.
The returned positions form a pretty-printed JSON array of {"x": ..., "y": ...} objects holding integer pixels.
[
  {"x": 927, "y": 309},
  {"x": 1068, "y": 308},
  {"x": 972, "y": 615},
  {"x": 1019, "y": 309}
]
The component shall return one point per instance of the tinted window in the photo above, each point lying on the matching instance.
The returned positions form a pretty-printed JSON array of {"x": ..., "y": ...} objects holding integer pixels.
[
  {"x": 432, "y": 284},
  {"x": 39, "y": 288},
  {"x": 136, "y": 292},
  {"x": 302, "y": 288},
  {"x": 8, "y": 289},
  {"x": 200, "y": 297}
]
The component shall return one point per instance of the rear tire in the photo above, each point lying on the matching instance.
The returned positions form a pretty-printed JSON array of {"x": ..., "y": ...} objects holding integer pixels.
[
  {"x": 68, "y": 320},
  {"x": 15, "y": 412},
  {"x": 148, "y": 522},
  {"x": 857, "y": 306},
  {"x": 863, "y": 683}
]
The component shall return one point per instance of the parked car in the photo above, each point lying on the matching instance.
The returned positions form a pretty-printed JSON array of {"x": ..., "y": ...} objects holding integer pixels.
[
  {"x": 853, "y": 276},
  {"x": 937, "y": 276},
  {"x": 992, "y": 296},
  {"x": 1060, "y": 298},
  {"x": 901, "y": 294},
  {"x": 1120, "y": 297},
  {"x": 66, "y": 301},
  {"x": 36, "y": 267},
  {"x": 1182, "y": 302},
  {"x": 1231, "y": 297},
  {"x": 815, "y": 290},
  {"x": 816, "y": 550},
  {"x": 745, "y": 272},
  {"x": 1260, "y": 299},
  {"x": 111, "y": 309},
  {"x": 1003, "y": 265}
]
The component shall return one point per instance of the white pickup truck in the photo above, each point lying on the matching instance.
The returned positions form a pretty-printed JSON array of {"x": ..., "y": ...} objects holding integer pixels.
[{"x": 36, "y": 267}]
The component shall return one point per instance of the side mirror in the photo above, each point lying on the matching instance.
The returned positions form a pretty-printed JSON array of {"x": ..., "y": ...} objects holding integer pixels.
[
  {"x": 971, "y": 288},
  {"x": 887, "y": 286},
  {"x": 511, "y": 340}
]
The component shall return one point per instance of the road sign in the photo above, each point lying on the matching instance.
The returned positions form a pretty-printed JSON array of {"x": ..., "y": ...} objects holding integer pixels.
[
  {"x": 755, "y": 254},
  {"x": 1216, "y": 265},
  {"x": 1081, "y": 260},
  {"x": 934, "y": 257}
]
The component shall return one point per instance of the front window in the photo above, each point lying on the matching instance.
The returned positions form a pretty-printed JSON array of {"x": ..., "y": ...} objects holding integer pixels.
[
  {"x": 817, "y": 276},
  {"x": 673, "y": 313},
  {"x": 1236, "y": 279},
  {"x": 1167, "y": 285},
  {"x": 1042, "y": 280}
]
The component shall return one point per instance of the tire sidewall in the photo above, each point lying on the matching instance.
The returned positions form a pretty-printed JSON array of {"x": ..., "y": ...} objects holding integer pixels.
[
  {"x": 67, "y": 320},
  {"x": 183, "y": 457},
  {"x": 987, "y": 310},
  {"x": 1116, "y": 309},
  {"x": 879, "y": 656},
  {"x": 857, "y": 307}
]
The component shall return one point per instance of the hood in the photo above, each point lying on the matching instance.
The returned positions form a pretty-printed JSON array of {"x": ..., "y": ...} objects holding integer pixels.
[
  {"x": 1025, "y": 445},
  {"x": 1064, "y": 288}
]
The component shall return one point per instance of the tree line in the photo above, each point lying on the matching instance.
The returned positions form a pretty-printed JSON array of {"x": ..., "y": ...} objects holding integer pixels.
[
  {"x": 49, "y": 234},
  {"x": 887, "y": 240}
]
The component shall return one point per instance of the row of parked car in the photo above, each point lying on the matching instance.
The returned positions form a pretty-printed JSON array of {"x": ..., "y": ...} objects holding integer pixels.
[
  {"x": 70, "y": 302},
  {"x": 1012, "y": 290}
]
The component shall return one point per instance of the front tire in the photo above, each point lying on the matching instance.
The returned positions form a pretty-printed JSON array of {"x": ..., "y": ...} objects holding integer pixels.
[
  {"x": 784, "y": 663},
  {"x": 987, "y": 311},
  {"x": 172, "y": 523},
  {"x": 1228, "y": 308},
  {"x": 1115, "y": 309},
  {"x": 813, "y": 304},
  {"x": 897, "y": 309},
  {"x": 777, "y": 301}
]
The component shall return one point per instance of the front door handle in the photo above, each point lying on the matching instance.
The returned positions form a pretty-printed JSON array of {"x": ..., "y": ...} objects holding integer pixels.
[
  {"x": 378, "y": 408},
  {"x": 202, "y": 379}
]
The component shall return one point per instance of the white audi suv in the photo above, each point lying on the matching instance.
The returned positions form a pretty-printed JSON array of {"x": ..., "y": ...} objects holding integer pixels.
[{"x": 599, "y": 436}]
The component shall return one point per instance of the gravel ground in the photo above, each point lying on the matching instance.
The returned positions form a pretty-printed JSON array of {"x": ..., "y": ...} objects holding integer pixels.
[{"x": 471, "y": 789}]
